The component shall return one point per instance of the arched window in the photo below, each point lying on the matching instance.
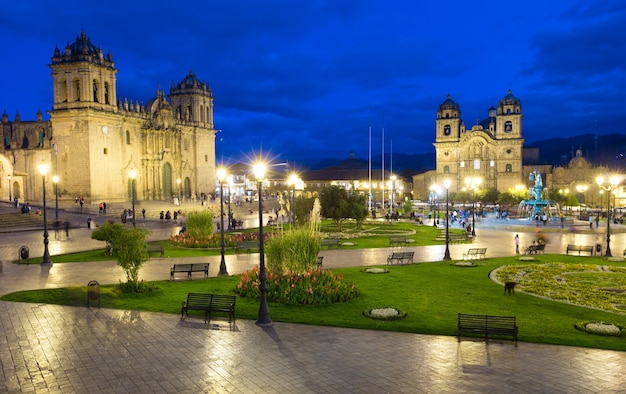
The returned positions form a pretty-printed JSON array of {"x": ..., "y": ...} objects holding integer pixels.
[
  {"x": 127, "y": 137},
  {"x": 446, "y": 169},
  {"x": 447, "y": 129},
  {"x": 106, "y": 93},
  {"x": 95, "y": 91},
  {"x": 508, "y": 168},
  {"x": 508, "y": 126},
  {"x": 77, "y": 89},
  {"x": 477, "y": 164}
]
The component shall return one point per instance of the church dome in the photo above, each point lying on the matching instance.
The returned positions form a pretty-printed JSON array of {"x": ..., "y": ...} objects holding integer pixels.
[
  {"x": 509, "y": 99},
  {"x": 83, "y": 45},
  {"x": 190, "y": 81},
  {"x": 449, "y": 104}
]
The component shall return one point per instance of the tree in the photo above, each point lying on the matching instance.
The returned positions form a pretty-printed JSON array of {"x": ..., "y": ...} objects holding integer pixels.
[
  {"x": 334, "y": 202},
  {"x": 490, "y": 196},
  {"x": 357, "y": 208},
  {"x": 408, "y": 206},
  {"x": 302, "y": 208},
  {"x": 128, "y": 246}
]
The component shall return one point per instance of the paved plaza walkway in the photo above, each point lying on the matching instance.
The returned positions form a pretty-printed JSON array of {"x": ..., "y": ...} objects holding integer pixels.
[{"x": 58, "y": 349}]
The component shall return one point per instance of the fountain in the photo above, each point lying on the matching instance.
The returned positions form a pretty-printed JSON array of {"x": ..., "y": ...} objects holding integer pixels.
[{"x": 537, "y": 204}]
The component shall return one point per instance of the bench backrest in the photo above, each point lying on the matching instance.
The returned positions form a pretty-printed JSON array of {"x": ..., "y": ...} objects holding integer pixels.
[
  {"x": 198, "y": 299},
  {"x": 182, "y": 267},
  {"x": 485, "y": 321},
  {"x": 222, "y": 301}
]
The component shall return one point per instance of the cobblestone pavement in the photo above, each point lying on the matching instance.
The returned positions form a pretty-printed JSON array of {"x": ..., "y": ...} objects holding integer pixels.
[{"x": 58, "y": 349}]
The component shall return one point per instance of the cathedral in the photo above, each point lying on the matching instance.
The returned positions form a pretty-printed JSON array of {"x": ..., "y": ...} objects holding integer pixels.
[
  {"x": 491, "y": 150},
  {"x": 94, "y": 140}
]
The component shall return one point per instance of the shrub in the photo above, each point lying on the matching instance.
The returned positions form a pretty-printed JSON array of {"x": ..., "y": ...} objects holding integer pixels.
[
  {"x": 315, "y": 287},
  {"x": 128, "y": 246},
  {"x": 296, "y": 250},
  {"x": 199, "y": 224}
]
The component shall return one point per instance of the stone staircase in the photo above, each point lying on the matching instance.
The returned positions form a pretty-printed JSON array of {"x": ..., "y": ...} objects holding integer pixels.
[{"x": 17, "y": 220}]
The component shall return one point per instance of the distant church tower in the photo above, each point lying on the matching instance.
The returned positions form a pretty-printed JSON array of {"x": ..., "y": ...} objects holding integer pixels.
[
  {"x": 83, "y": 77},
  {"x": 192, "y": 101},
  {"x": 491, "y": 150}
]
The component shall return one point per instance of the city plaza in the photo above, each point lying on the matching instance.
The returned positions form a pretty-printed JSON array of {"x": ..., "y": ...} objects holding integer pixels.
[{"x": 58, "y": 349}]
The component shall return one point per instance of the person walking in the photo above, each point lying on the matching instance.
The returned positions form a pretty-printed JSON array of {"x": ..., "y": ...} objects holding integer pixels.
[{"x": 516, "y": 243}]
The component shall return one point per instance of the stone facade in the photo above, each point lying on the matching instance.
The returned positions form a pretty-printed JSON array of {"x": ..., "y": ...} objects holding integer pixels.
[
  {"x": 93, "y": 139},
  {"x": 490, "y": 150}
]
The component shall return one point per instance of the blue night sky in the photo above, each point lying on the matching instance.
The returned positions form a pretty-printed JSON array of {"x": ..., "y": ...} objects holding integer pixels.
[{"x": 305, "y": 79}]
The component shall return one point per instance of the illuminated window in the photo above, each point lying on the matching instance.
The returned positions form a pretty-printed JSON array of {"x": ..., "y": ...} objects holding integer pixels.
[
  {"x": 477, "y": 164},
  {"x": 462, "y": 164},
  {"x": 508, "y": 168}
]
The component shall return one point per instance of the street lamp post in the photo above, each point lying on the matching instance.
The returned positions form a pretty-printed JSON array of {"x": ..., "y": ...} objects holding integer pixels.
[
  {"x": 10, "y": 196},
  {"x": 55, "y": 180},
  {"x": 446, "y": 256},
  {"x": 43, "y": 169},
  {"x": 264, "y": 313},
  {"x": 610, "y": 186},
  {"x": 221, "y": 175},
  {"x": 230, "y": 213},
  {"x": 132, "y": 174}
]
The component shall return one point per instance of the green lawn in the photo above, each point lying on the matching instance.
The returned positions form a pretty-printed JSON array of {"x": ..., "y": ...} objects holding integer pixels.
[
  {"x": 360, "y": 238},
  {"x": 431, "y": 294}
]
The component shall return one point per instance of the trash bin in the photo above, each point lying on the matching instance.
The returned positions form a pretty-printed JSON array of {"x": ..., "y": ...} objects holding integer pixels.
[
  {"x": 598, "y": 249},
  {"x": 93, "y": 292},
  {"x": 24, "y": 254}
]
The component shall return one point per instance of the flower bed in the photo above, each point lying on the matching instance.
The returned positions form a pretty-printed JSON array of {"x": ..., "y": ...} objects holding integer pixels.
[
  {"x": 464, "y": 264},
  {"x": 375, "y": 270},
  {"x": 385, "y": 313},
  {"x": 600, "y": 328},
  {"x": 315, "y": 287},
  {"x": 587, "y": 285}
]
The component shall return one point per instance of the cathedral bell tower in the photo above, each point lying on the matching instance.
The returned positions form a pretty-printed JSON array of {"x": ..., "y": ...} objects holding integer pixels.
[
  {"x": 83, "y": 77},
  {"x": 192, "y": 101},
  {"x": 509, "y": 118},
  {"x": 449, "y": 124}
]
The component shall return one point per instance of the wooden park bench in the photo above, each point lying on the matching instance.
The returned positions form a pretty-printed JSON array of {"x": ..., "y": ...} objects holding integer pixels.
[
  {"x": 400, "y": 258},
  {"x": 330, "y": 243},
  {"x": 457, "y": 237},
  {"x": 475, "y": 253},
  {"x": 209, "y": 303},
  {"x": 188, "y": 269},
  {"x": 155, "y": 248},
  {"x": 398, "y": 240},
  {"x": 535, "y": 249},
  {"x": 485, "y": 325},
  {"x": 580, "y": 249},
  {"x": 248, "y": 246}
]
